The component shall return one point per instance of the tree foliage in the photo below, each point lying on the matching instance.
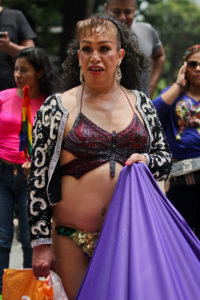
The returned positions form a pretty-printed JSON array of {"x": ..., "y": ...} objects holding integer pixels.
[
  {"x": 44, "y": 17},
  {"x": 178, "y": 25}
]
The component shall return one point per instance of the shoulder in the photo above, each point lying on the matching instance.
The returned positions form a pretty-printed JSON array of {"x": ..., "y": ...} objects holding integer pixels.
[
  {"x": 50, "y": 114},
  {"x": 52, "y": 102},
  {"x": 145, "y": 28},
  {"x": 51, "y": 107},
  {"x": 142, "y": 26},
  {"x": 141, "y": 97},
  {"x": 8, "y": 93},
  {"x": 145, "y": 104},
  {"x": 12, "y": 12},
  {"x": 72, "y": 97},
  {"x": 14, "y": 17}
]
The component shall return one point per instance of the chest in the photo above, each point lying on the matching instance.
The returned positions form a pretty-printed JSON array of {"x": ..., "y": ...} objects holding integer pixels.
[{"x": 88, "y": 137}]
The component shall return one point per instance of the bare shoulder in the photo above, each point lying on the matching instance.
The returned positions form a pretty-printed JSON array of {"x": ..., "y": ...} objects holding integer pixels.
[
  {"x": 71, "y": 97},
  {"x": 131, "y": 96}
]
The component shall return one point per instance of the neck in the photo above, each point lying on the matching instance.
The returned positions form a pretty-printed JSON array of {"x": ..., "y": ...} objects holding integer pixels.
[
  {"x": 34, "y": 93},
  {"x": 101, "y": 90},
  {"x": 103, "y": 99}
]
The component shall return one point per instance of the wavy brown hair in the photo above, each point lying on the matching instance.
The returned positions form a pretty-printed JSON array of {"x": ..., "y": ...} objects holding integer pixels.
[{"x": 131, "y": 66}]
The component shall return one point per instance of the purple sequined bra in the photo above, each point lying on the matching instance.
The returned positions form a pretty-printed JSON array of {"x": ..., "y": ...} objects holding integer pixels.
[{"x": 94, "y": 146}]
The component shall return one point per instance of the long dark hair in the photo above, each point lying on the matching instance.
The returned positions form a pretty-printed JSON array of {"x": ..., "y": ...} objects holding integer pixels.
[
  {"x": 49, "y": 83},
  {"x": 132, "y": 64}
]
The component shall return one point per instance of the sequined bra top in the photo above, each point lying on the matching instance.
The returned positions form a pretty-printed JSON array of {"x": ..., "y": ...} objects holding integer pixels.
[{"x": 94, "y": 146}]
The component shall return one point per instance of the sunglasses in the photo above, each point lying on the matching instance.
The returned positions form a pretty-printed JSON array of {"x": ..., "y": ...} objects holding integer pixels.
[{"x": 192, "y": 64}]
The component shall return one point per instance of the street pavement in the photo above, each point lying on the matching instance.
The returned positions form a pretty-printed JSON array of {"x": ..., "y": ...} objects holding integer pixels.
[{"x": 16, "y": 252}]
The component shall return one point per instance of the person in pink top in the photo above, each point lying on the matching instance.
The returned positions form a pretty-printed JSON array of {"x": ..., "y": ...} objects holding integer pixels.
[{"x": 32, "y": 68}]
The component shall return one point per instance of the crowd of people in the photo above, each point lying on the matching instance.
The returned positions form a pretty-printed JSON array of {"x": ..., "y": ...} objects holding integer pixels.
[{"x": 90, "y": 123}]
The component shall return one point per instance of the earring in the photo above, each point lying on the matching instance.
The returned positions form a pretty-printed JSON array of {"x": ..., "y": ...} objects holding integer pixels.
[
  {"x": 118, "y": 75},
  {"x": 81, "y": 77}
]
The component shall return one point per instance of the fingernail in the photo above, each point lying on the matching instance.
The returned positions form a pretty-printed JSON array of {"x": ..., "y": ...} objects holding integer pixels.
[{"x": 127, "y": 163}]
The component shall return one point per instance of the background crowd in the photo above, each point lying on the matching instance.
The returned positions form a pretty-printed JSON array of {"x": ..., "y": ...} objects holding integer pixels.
[{"x": 54, "y": 23}]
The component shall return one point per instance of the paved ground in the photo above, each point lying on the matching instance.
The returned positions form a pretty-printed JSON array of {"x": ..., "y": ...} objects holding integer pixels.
[{"x": 16, "y": 252}]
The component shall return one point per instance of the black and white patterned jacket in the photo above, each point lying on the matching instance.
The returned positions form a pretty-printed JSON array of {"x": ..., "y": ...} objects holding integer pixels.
[{"x": 44, "y": 180}]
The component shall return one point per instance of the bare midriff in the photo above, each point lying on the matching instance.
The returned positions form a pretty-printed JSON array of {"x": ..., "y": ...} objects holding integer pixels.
[{"x": 85, "y": 201}]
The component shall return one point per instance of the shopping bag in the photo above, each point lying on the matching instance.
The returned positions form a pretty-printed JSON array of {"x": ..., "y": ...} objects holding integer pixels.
[
  {"x": 23, "y": 285},
  {"x": 58, "y": 291}
]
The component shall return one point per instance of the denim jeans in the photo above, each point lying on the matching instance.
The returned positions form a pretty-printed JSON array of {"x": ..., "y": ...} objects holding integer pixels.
[{"x": 13, "y": 193}]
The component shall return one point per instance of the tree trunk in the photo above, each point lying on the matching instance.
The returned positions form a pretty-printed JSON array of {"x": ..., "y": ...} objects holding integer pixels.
[{"x": 74, "y": 11}]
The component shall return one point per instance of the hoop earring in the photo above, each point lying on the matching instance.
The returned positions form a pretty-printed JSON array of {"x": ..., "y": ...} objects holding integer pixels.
[
  {"x": 118, "y": 75},
  {"x": 81, "y": 77}
]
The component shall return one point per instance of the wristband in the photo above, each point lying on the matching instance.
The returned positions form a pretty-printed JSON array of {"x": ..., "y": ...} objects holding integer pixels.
[{"x": 180, "y": 85}]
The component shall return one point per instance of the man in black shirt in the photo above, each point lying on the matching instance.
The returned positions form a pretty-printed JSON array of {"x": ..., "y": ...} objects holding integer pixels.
[{"x": 16, "y": 35}]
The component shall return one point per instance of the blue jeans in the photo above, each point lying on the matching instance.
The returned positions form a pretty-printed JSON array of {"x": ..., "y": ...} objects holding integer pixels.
[{"x": 13, "y": 193}]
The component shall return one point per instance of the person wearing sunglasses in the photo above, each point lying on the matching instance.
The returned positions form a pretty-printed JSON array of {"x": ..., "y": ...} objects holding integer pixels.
[{"x": 178, "y": 108}]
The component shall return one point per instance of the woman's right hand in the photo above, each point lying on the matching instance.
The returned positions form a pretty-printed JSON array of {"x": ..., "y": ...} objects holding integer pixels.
[
  {"x": 181, "y": 77},
  {"x": 26, "y": 168},
  {"x": 177, "y": 87},
  {"x": 43, "y": 260}
]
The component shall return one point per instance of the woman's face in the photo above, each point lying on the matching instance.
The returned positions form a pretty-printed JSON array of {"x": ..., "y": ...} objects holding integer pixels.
[
  {"x": 99, "y": 57},
  {"x": 193, "y": 69},
  {"x": 25, "y": 74}
]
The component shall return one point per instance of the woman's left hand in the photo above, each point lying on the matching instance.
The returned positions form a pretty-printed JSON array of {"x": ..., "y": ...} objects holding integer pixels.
[
  {"x": 26, "y": 167},
  {"x": 136, "y": 157}
]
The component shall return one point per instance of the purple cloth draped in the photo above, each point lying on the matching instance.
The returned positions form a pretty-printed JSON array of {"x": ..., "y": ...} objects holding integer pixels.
[{"x": 146, "y": 250}]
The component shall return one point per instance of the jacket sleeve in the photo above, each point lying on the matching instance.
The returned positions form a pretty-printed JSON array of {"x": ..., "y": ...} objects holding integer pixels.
[
  {"x": 39, "y": 208},
  {"x": 159, "y": 156}
]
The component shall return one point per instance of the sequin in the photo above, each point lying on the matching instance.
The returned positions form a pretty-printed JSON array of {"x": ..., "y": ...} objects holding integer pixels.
[
  {"x": 188, "y": 115},
  {"x": 86, "y": 240}
]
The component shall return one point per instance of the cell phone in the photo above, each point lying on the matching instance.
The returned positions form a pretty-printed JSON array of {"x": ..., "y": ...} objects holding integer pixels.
[{"x": 2, "y": 34}]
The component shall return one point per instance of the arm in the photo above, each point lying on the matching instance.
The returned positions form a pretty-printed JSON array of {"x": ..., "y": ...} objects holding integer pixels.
[
  {"x": 19, "y": 36},
  {"x": 164, "y": 101},
  {"x": 11, "y": 48},
  {"x": 159, "y": 153},
  {"x": 176, "y": 88},
  {"x": 39, "y": 209},
  {"x": 157, "y": 65}
]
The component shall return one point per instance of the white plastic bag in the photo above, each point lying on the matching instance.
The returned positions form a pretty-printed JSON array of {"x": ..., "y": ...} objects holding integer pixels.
[{"x": 58, "y": 290}]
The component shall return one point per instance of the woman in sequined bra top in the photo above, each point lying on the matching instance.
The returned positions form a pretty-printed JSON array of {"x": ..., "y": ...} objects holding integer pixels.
[{"x": 82, "y": 139}]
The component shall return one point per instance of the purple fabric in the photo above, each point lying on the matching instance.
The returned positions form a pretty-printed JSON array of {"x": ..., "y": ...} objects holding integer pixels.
[{"x": 146, "y": 250}]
